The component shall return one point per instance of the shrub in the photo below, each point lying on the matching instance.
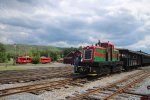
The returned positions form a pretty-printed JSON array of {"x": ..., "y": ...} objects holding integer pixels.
[
  {"x": 35, "y": 60},
  {"x": 2, "y": 53}
]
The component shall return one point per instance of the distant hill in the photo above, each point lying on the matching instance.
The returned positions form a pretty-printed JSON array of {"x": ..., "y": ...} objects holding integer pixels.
[{"x": 10, "y": 48}]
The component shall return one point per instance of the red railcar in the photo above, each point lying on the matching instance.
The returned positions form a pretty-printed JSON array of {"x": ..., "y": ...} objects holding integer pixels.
[
  {"x": 44, "y": 59},
  {"x": 23, "y": 59}
]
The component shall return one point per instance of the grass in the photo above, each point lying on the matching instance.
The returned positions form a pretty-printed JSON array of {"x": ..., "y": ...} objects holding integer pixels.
[
  {"x": 11, "y": 68},
  {"x": 8, "y": 63}
]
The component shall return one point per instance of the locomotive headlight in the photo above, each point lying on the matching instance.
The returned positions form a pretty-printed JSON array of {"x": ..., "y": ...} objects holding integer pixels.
[{"x": 94, "y": 71}]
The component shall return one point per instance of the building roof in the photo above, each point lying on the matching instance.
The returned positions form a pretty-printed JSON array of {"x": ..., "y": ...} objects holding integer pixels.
[
  {"x": 136, "y": 52},
  {"x": 72, "y": 53}
]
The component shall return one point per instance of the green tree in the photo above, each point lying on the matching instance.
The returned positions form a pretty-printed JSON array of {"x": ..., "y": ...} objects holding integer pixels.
[
  {"x": 2, "y": 53},
  {"x": 53, "y": 53},
  {"x": 35, "y": 52},
  {"x": 68, "y": 50},
  {"x": 54, "y": 56},
  {"x": 45, "y": 53},
  {"x": 10, "y": 55},
  {"x": 35, "y": 60}
]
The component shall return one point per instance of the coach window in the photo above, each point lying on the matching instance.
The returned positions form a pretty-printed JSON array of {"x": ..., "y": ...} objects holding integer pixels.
[
  {"x": 134, "y": 57},
  {"x": 117, "y": 56}
]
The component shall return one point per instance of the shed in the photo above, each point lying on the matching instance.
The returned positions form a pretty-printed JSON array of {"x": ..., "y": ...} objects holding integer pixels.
[{"x": 69, "y": 59}]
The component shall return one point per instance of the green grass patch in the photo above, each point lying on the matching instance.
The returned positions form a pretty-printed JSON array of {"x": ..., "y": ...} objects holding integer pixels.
[{"x": 11, "y": 68}]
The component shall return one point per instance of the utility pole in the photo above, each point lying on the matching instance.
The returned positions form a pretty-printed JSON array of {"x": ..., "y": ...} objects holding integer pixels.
[{"x": 48, "y": 55}]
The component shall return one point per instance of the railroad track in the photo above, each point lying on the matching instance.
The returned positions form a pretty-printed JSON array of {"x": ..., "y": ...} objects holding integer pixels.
[
  {"x": 108, "y": 92},
  {"x": 73, "y": 81},
  {"x": 126, "y": 86},
  {"x": 43, "y": 86},
  {"x": 33, "y": 71},
  {"x": 32, "y": 75}
]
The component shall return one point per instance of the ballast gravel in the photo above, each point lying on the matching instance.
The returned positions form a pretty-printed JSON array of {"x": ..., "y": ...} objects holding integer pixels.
[
  {"x": 5, "y": 86},
  {"x": 73, "y": 90},
  {"x": 63, "y": 93},
  {"x": 144, "y": 88}
]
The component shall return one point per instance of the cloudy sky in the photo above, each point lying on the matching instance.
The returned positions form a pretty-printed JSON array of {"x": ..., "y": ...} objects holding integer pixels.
[{"x": 65, "y": 23}]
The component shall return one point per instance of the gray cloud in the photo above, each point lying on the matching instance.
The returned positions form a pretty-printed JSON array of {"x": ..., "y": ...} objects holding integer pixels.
[{"x": 73, "y": 23}]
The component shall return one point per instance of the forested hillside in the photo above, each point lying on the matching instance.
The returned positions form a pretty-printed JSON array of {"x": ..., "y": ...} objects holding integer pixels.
[
  {"x": 32, "y": 50},
  {"x": 8, "y": 51},
  {"x": 23, "y": 48}
]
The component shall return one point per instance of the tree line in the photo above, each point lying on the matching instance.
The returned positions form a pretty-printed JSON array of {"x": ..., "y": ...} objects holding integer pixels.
[
  {"x": 55, "y": 54},
  {"x": 3, "y": 55}
]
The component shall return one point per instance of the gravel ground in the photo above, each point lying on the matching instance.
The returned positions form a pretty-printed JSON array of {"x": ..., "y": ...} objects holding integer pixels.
[
  {"x": 32, "y": 66},
  {"x": 140, "y": 89},
  {"x": 72, "y": 90},
  {"x": 145, "y": 68},
  {"x": 22, "y": 96},
  {"x": 5, "y": 86},
  {"x": 143, "y": 87},
  {"x": 62, "y": 93}
]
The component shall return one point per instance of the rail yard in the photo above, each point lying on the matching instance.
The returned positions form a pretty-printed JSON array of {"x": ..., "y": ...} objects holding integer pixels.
[
  {"x": 74, "y": 50},
  {"x": 99, "y": 72},
  {"x": 51, "y": 83}
]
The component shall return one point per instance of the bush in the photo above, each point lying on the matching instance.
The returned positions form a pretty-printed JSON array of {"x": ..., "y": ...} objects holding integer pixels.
[
  {"x": 2, "y": 57},
  {"x": 35, "y": 60},
  {"x": 54, "y": 56},
  {"x": 2, "y": 53}
]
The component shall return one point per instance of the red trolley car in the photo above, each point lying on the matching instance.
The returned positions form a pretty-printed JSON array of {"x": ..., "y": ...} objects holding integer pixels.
[
  {"x": 44, "y": 59},
  {"x": 23, "y": 59}
]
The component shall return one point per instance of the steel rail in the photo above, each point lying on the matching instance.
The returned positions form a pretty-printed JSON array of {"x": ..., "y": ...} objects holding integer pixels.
[
  {"x": 127, "y": 86},
  {"x": 40, "y": 86},
  {"x": 93, "y": 91}
]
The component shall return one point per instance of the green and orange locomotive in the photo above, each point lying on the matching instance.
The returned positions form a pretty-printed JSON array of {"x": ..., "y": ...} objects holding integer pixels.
[{"x": 100, "y": 59}]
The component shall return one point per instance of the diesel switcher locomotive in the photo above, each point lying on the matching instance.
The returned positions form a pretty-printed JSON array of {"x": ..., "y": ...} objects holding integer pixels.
[{"x": 103, "y": 58}]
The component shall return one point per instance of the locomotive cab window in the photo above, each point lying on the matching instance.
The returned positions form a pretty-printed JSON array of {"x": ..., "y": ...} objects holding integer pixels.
[{"x": 88, "y": 54}]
